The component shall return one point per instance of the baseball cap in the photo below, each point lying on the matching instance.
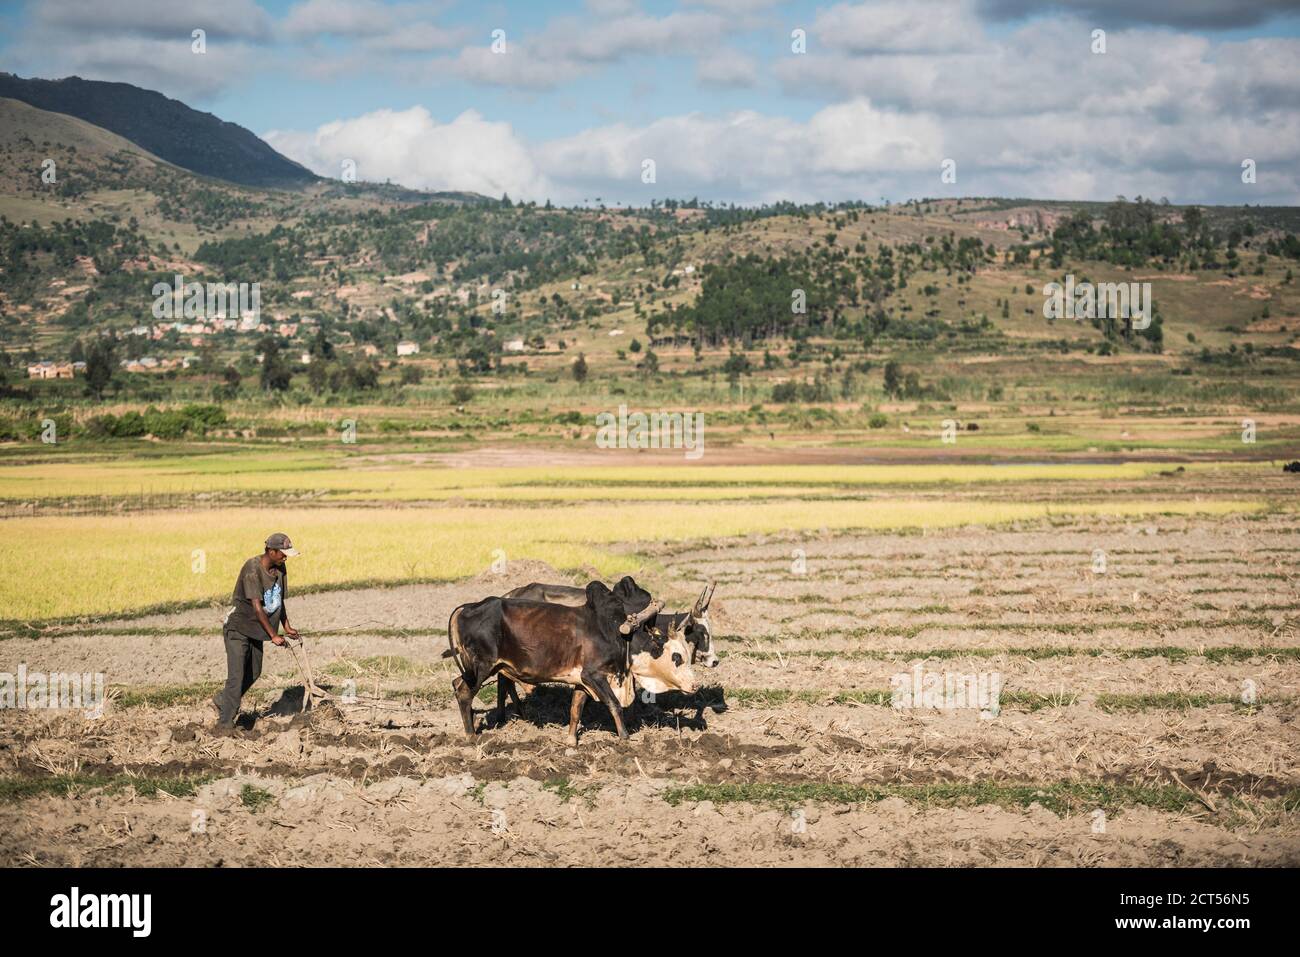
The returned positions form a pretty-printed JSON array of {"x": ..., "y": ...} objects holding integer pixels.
[{"x": 281, "y": 541}]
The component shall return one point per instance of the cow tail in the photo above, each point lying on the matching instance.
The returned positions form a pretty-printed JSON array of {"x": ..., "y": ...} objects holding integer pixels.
[{"x": 453, "y": 639}]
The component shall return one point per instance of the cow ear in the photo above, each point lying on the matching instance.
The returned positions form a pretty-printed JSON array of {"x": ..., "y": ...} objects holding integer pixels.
[{"x": 633, "y": 597}]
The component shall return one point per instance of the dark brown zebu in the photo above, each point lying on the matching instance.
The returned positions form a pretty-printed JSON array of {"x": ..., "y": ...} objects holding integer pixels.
[{"x": 588, "y": 647}]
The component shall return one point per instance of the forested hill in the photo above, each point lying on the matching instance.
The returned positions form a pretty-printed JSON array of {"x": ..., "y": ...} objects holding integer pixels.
[{"x": 199, "y": 142}]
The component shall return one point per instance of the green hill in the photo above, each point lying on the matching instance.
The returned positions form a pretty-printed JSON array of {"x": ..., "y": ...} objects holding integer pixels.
[{"x": 199, "y": 142}]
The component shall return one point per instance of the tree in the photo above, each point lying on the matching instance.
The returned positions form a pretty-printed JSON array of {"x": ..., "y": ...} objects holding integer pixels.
[
  {"x": 318, "y": 376},
  {"x": 893, "y": 378},
  {"x": 580, "y": 368},
  {"x": 100, "y": 363},
  {"x": 276, "y": 373},
  {"x": 321, "y": 347}
]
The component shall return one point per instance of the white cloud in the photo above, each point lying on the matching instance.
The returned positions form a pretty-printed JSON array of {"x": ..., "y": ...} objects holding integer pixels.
[
  {"x": 569, "y": 48},
  {"x": 611, "y": 8},
  {"x": 744, "y": 156},
  {"x": 412, "y": 148},
  {"x": 727, "y": 68},
  {"x": 168, "y": 66},
  {"x": 610, "y": 40},
  {"x": 399, "y": 27},
  {"x": 518, "y": 67},
  {"x": 162, "y": 19},
  {"x": 899, "y": 26}
]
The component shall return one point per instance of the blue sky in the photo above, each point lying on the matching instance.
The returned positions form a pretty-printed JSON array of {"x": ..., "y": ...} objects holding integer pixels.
[{"x": 711, "y": 91}]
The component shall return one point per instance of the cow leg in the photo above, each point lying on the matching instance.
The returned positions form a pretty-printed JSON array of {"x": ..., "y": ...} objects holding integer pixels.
[
  {"x": 575, "y": 715},
  {"x": 514, "y": 696},
  {"x": 465, "y": 693},
  {"x": 502, "y": 682},
  {"x": 506, "y": 686},
  {"x": 597, "y": 682},
  {"x": 510, "y": 688}
]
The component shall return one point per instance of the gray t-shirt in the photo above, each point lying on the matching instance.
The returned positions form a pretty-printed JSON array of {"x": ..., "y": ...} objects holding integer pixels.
[{"x": 254, "y": 581}]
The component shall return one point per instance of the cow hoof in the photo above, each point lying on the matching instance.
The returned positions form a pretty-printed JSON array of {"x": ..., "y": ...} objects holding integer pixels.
[{"x": 573, "y": 741}]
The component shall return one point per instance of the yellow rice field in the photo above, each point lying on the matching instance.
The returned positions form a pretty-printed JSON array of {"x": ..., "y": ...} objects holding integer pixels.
[
  {"x": 340, "y": 478},
  {"x": 63, "y": 566}
]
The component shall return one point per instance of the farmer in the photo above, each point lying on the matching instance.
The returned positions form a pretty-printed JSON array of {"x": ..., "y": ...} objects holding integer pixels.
[{"x": 258, "y": 612}]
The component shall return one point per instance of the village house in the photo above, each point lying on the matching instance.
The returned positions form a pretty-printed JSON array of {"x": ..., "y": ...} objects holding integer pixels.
[
  {"x": 147, "y": 364},
  {"x": 51, "y": 370},
  {"x": 513, "y": 345},
  {"x": 407, "y": 348}
]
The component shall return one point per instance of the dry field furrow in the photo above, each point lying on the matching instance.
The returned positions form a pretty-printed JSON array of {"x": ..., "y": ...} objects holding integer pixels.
[{"x": 1150, "y": 729}]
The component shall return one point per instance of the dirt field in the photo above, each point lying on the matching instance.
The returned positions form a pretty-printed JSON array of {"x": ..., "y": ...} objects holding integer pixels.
[{"x": 1147, "y": 717}]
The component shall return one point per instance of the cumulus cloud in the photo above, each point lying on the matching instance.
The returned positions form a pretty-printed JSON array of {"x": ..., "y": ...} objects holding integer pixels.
[
  {"x": 377, "y": 26},
  {"x": 568, "y": 48},
  {"x": 615, "y": 38},
  {"x": 898, "y": 26},
  {"x": 1048, "y": 66},
  {"x": 745, "y": 156},
  {"x": 850, "y": 150},
  {"x": 145, "y": 42},
  {"x": 168, "y": 66},
  {"x": 163, "y": 19},
  {"x": 1035, "y": 112},
  {"x": 727, "y": 68},
  {"x": 412, "y": 148}
]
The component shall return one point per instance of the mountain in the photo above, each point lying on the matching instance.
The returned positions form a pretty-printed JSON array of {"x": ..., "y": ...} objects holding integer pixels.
[{"x": 170, "y": 130}]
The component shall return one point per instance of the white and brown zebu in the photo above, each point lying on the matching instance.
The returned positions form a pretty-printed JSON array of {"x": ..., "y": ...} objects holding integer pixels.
[{"x": 693, "y": 626}]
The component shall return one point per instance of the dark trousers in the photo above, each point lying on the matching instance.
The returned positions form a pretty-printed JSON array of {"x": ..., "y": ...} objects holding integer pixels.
[{"x": 243, "y": 667}]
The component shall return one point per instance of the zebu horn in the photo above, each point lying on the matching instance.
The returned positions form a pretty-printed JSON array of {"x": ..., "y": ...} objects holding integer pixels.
[
  {"x": 640, "y": 618},
  {"x": 702, "y": 603}
]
